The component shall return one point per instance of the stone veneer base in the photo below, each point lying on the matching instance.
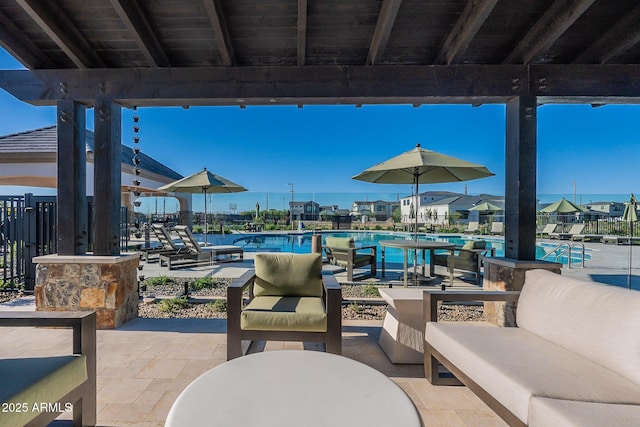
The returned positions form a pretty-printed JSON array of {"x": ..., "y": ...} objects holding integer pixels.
[
  {"x": 506, "y": 274},
  {"x": 106, "y": 284}
]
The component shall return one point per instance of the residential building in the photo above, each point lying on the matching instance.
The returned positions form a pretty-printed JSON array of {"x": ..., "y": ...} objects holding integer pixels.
[
  {"x": 305, "y": 211},
  {"x": 379, "y": 210}
]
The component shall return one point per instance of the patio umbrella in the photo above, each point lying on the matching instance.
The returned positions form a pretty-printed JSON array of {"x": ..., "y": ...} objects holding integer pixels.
[
  {"x": 486, "y": 207},
  {"x": 203, "y": 182},
  {"x": 630, "y": 215},
  {"x": 420, "y": 166},
  {"x": 563, "y": 206}
]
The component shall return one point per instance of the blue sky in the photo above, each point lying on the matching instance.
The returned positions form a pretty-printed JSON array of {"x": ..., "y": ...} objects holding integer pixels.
[{"x": 319, "y": 148}]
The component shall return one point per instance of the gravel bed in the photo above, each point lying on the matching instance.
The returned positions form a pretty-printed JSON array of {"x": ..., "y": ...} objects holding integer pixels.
[{"x": 361, "y": 303}]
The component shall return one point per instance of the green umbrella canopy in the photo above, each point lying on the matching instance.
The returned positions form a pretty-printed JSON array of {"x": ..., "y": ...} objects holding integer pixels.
[
  {"x": 420, "y": 166},
  {"x": 631, "y": 210},
  {"x": 203, "y": 182},
  {"x": 486, "y": 206},
  {"x": 563, "y": 206}
]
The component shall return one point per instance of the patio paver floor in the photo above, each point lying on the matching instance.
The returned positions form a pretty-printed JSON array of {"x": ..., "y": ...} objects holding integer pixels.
[{"x": 144, "y": 365}]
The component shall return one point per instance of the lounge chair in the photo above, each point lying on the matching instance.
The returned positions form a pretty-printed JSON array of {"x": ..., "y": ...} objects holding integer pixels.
[
  {"x": 291, "y": 299},
  {"x": 468, "y": 258},
  {"x": 167, "y": 246},
  {"x": 497, "y": 228},
  {"x": 575, "y": 230},
  {"x": 196, "y": 254},
  {"x": 343, "y": 252},
  {"x": 548, "y": 229},
  {"x": 621, "y": 240},
  {"x": 473, "y": 228}
]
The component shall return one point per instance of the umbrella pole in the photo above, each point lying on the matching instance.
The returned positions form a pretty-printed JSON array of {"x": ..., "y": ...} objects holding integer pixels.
[
  {"x": 630, "y": 252},
  {"x": 415, "y": 231},
  {"x": 204, "y": 189}
]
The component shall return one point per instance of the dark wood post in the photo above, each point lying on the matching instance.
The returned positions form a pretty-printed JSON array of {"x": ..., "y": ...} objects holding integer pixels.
[
  {"x": 72, "y": 177},
  {"x": 520, "y": 188},
  {"x": 107, "y": 169}
]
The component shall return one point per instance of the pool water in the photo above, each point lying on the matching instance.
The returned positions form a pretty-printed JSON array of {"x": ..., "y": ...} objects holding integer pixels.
[{"x": 301, "y": 243}]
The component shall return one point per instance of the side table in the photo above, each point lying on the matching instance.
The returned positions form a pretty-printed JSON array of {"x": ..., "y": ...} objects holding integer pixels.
[{"x": 402, "y": 336}]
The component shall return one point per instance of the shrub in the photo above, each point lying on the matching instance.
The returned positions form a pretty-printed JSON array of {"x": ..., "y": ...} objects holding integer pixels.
[
  {"x": 171, "y": 305},
  {"x": 371, "y": 290},
  {"x": 204, "y": 282},
  {"x": 356, "y": 308},
  {"x": 219, "y": 305},
  {"x": 158, "y": 281}
]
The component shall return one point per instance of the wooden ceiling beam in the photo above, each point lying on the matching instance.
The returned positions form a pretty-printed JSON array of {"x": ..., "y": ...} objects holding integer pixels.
[
  {"x": 56, "y": 23},
  {"x": 21, "y": 47},
  {"x": 134, "y": 18},
  {"x": 619, "y": 38},
  {"x": 302, "y": 32},
  {"x": 474, "y": 14},
  {"x": 384, "y": 25},
  {"x": 553, "y": 23},
  {"x": 270, "y": 85},
  {"x": 220, "y": 31}
]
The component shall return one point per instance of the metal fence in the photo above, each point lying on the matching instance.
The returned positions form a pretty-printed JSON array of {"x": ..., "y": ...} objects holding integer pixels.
[{"x": 28, "y": 230}]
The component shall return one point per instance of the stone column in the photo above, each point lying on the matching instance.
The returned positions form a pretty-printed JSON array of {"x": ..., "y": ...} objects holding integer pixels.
[
  {"x": 105, "y": 284},
  {"x": 505, "y": 274}
]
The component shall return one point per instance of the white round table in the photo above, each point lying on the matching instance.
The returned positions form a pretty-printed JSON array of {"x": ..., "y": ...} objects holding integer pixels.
[{"x": 293, "y": 388}]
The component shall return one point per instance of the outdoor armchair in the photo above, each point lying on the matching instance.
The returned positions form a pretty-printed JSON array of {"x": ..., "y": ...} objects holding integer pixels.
[
  {"x": 467, "y": 258},
  {"x": 290, "y": 299},
  {"x": 28, "y": 382},
  {"x": 342, "y": 251}
]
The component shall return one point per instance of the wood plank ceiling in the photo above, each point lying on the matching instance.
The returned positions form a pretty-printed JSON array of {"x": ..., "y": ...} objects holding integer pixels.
[{"x": 395, "y": 34}]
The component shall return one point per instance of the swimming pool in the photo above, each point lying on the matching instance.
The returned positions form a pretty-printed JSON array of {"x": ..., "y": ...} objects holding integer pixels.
[{"x": 301, "y": 243}]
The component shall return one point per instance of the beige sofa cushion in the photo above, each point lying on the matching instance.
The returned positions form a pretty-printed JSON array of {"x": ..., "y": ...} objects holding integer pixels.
[
  {"x": 288, "y": 275},
  {"x": 599, "y": 322},
  {"x": 544, "y": 412},
  {"x": 512, "y": 365},
  {"x": 272, "y": 313},
  {"x": 38, "y": 380}
]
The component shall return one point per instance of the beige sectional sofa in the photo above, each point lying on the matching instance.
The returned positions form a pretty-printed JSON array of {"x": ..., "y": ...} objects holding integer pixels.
[{"x": 573, "y": 359}]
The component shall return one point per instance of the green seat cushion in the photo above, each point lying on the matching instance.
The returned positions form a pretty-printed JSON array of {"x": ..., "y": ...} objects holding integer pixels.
[
  {"x": 289, "y": 275},
  {"x": 358, "y": 259},
  {"x": 271, "y": 313},
  {"x": 38, "y": 380}
]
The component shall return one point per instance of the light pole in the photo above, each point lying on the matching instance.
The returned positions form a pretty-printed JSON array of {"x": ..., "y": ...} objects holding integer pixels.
[{"x": 292, "y": 222}]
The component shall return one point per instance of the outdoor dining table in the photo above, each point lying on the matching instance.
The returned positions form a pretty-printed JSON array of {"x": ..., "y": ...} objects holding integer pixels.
[
  {"x": 416, "y": 245},
  {"x": 289, "y": 388}
]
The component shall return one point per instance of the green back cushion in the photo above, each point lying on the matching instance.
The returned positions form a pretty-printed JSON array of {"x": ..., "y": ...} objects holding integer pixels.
[
  {"x": 288, "y": 275},
  {"x": 475, "y": 244},
  {"x": 340, "y": 242},
  {"x": 471, "y": 244}
]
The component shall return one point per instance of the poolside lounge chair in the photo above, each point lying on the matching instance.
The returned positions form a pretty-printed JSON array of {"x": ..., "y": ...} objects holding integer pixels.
[
  {"x": 468, "y": 258},
  {"x": 497, "y": 228},
  {"x": 548, "y": 229},
  {"x": 621, "y": 240},
  {"x": 167, "y": 246},
  {"x": 343, "y": 252},
  {"x": 196, "y": 254},
  {"x": 473, "y": 228},
  {"x": 575, "y": 229},
  {"x": 291, "y": 299}
]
